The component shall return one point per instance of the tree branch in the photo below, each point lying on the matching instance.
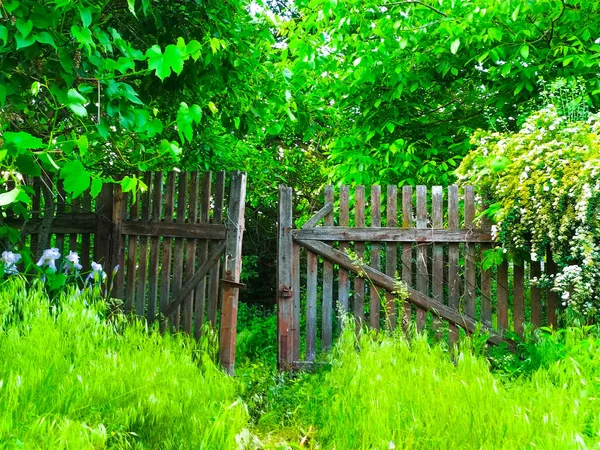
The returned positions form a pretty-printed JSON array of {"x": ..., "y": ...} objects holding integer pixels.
[{"x": 417, "y": 2}]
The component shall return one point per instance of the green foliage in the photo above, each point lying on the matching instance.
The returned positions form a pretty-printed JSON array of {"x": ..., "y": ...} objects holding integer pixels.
[
  {"x": 393, "y": 90},
  {"x": 546, "y": 192},
  {"x": 71, "y": 378}
]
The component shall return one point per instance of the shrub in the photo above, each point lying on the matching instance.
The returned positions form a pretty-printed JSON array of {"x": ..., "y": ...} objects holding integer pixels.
[{"x": 543, "y": 183}]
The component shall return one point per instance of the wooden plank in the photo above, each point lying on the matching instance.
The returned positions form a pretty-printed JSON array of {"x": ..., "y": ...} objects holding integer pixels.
[
  {"x": 157, "y": 189},
  {"x": 486, "y": 274},
  {"x": 391, "y": 254},
  {"x": 377, "y": 234},
  {"x": 202, "y": 231},
  {"x": 140, "y": 300},
  {"x": 536, "y": 294},
  {"x": 104, "y": 206},
  {"x": 178, "y": 255},
  {"x": 311, "y": 305},
  {"x": 470, "y": 254},
  {"x": 35, "y": 213},
  {"x": 167, "y": 246},
  {"x": 327, "y": 305},
  {"x": 294, "y": 333},
  {"x": 131, "y": 260},
  {"x": 190, "y": 252},
  {"x": 414, "y": 296},
  {"x": 64, "y": 223},
  {"x": 86, "y": 205},
  {"x": 407, "y": 222},
  {"x": 502, "y": 296},
  {"x": 343, "y": 286},
  {"x": 202, "y": 253},
  {"x": 232, "y": 270},
  {"x": 324, "y": 212},
  {"x": 359, "y": 248},
  {"x": 437, "y": 263},
  {"x": 422, "y": 273},
  {"x": 183, "y": 293},
  {"x": 213, "y": 276},
  {"x": 75, "y": 209},
  {"x": 375, "y": 301},
  {"x": 518, "y": 296},
  {"x": 61, "y": 202},
  {"x": 453, "y": 259},
  {"x": 285, "y": 282},
  {"x": 551, "y": 296}
]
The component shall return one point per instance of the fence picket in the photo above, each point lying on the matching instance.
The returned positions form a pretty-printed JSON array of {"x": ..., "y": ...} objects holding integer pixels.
[
  {"x": 421, "y": 263},
  {"x": 502, "y": 296},
  {"x": 327, "y": 306},
  {"x": 214, "y": 274},
  {"x": 140, "y": 301},
  {"x": 154, "y": 247},
  {"x": 167, "y": 246},
  {"x": 470, "y": 254},
  {"x": 518, "y": 296},
  {"x": 437, "y": 264},
  {"x": 343, "y": 282},
  {"x": 359, "y": 248},
  {"x": 311, "y": 305},
  {"x": 190, "y": 252},
  {"x": 375, "y": 304},
  {"x": 407, "y": 219},
  {"x": 453, "y": 258},
  {"x": 200, "y": 293},
  {"x": 178, "y": 255},
  {"x": 132, "y": 261},
  {"x": 391, "y": 254}
]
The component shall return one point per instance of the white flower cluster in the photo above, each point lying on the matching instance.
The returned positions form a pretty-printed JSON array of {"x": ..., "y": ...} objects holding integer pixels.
[{"x": 10, "y": 261}]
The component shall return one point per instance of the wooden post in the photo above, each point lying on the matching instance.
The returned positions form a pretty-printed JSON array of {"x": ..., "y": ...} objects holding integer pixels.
[
  {"x": 104, "y": 210},
  {"x": 422, "y": 273},
  {"x": 232, "y": 269},
  {"x": 437, "y": 265},
  {"x": 327, "y": 305},
  {"x": 453, "y": 259},
  {"x": 391, "y": 254},
  {"x": 407, "y": 222},
  {"x": 285, "y": 341},
  {"x": 118, "y": 242}
]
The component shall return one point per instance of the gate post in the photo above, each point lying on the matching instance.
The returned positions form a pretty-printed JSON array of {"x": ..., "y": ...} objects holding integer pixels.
[
  {"x": 231, "y": 270},
  {"x": 285, "y": 295}
]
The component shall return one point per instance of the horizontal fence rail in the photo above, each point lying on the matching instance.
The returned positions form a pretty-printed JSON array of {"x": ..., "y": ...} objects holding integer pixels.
[{"x": 349, "y": 257}]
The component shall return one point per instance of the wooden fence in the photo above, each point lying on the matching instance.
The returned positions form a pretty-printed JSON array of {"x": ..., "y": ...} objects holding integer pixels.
[
  {"x": 428, "y": 238},
  {"x": 177, "y": 245}
]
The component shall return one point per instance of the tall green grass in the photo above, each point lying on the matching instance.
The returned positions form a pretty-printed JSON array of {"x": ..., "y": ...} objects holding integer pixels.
[
  {"x": 388, "y": 392},
  {"x": 70, "y": 378}
]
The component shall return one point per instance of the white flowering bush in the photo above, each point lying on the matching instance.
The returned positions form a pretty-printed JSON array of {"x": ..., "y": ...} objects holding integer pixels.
[{"x": 543, "y": 184}]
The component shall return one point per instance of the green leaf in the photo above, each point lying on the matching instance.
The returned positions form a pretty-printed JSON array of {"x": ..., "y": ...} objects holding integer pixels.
[
  {"x": 193, "y": 49},
  {"x": 22, "y": 140},
  {"x": 45, "y": 38},
  {"x": 83, "y": 36},
  {"x": 77, "y": 179},
  {"x": 27, "y": 165},
  {"x": 76, "y": 97},
  {"x": 163, "y": 63},
  {"x": 83, "y": 144},
  {"x": 86, "y": 16},
  {"x": 131, "y": 6},
  {"x": 454, "y": 46},
  {"x": 213, "y": 107},
  {"x": 524, "y": 51},
  {"x": 2, "y": 95},
  {"x": 6, "y": 198},
  {"x": 96, "y": 187},
  {"x": 3, "y": 34},
  {"x": 24, "y": 42},
  {"x": 24, "y": 27}
]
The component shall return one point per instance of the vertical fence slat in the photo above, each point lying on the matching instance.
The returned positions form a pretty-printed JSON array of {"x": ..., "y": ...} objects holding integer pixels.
[
  {"x": 407, "y": 213},
  {"x": 470, "y": 254},
  {"x": 437, "y": 264},
  {"x": 453, "y": 258},
  {"x": 486, "y": 275},
  {"x": 232, "y": 269},
  {"x": 536, "y": 294},
  {"x": 503, "y": 296},
  {"x": 294, "y": 333},
  {"x": 213, "y": 275},
  {"x": 61, "y": 203},
  {"x": 518, "y": 296},
  {"x": 391, "y": 253},
  {"x": 200, "y": 293},
  {"x": 154, "y": 247},
  {"x": 86, "y": 204},
  {"x": 167, "y": 244},
  {"x": 190, "y": 252},
  {"x": 36, "y": 214},
  {"x": 375, "y": 304},
  {"x": 132, "y": 247},
  {"x": 327, "y": 306},
  {"x": 311, "y": 305},
  {"x": 75, "y": 208},
  {"x": 343, "y": 286},
  {"x": 140, "y": 300},
  {"x": 551, "y": 296},
  {"x": 285, "y": 272},
  {"x": 178, "y": 255},
  {"x": 359, "y": 247},
  {"x": 422, "y": 273}
]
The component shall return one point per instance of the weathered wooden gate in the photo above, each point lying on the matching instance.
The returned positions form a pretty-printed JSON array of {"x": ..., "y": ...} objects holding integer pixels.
[
  {"x": 178, "y": 245},
  {"x": 436, "y": 252}
]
